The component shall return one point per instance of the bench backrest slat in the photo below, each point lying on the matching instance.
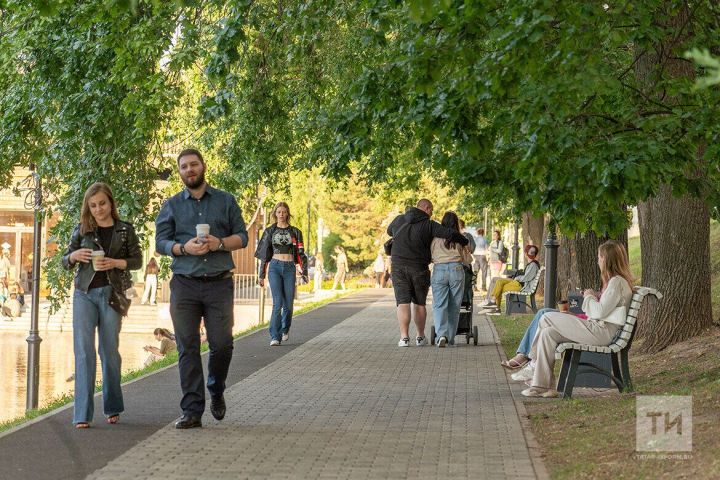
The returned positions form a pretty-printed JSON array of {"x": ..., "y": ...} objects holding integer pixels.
[
  {"x": 627, "y": 332},
  {"x": 531, "y": 287}
]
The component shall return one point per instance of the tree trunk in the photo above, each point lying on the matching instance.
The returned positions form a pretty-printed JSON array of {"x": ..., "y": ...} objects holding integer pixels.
[
  {"x": 566, "y": 268},
  {"x": 674, "y": 231},
  {"x": 675, "y": 251},
  {"x": 577, "y": 262}
]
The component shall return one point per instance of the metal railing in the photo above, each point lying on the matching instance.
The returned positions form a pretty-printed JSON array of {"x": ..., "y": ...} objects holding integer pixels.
[{"x": 246, "y": 288}]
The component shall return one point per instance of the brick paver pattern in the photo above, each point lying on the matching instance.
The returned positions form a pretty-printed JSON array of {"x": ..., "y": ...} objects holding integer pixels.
[{"x": 350, "y": 404}]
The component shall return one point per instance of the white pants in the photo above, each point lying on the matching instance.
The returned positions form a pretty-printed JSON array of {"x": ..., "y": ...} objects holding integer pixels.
[
  {"x": 555, "y": 328},
  {"x": 150, "y": 288},
  {"x": 317, "y": 280}
]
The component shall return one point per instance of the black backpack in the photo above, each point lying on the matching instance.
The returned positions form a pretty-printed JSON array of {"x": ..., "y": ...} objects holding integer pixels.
[{"x": 503, "y": 255}]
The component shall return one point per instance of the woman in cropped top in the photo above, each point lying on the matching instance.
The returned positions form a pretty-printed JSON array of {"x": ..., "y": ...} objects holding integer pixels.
[
  {"x": 282, "y": 255},
  {"x": 599, "y": 328},
  {"x": 448, "y": 281}
]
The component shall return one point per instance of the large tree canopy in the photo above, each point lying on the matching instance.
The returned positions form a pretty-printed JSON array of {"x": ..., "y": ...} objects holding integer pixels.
[{"x": 574, "y": 111}]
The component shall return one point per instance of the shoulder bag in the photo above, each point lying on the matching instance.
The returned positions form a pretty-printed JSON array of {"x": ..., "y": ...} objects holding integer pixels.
[{"x": 387, "y": 246}]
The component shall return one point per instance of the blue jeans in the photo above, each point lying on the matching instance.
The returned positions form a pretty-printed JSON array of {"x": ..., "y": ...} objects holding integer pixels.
[
  {"x": 281, "y": 276},
  {"x": 448, "y": 281},
  {"x": 529, "y": 336},
  {"x": 91, "y": 311}
]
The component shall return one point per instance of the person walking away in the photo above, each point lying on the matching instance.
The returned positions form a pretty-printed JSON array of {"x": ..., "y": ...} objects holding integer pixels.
[
  {"x": 282, "y": 256},
  {"x": 167, "y": 345},
  {"x": 105, "y": 249},
  {"x": 480, "y": 252},
  {"x": 151, "y": 283},
  {"x": 379, "y": 269},
  {"x": 497, "y": 248},
  {"x": 468, "y": 235},
  {"x": 413, "y": 233},
  {"x": 341, "y": 263},
  {"x": 448, "y": 281},
  {"x": 202, "y": 282}
]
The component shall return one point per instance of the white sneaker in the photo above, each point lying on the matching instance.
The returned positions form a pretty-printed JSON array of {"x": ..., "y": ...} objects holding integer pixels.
[
  {"x": 442, "y": 342},
  {"x": 526, "y": 373},
  {"x": 404, "y": 342},
  {"x": 540, "y": 392},
  {"x": 285, "y": 337},
  {"x": 420, "y": 341},
  {"x": 488, "y": 303},
  {"x": 274, "y": 343}
]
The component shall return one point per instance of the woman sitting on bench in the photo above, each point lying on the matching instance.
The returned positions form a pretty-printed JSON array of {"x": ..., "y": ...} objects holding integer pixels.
[
  {"x": 499, "y": 285},
  {"x": 602, "y": 324}
]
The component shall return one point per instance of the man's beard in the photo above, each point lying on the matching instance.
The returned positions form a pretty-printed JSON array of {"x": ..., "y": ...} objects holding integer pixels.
[{"x": 199, "y": 180}]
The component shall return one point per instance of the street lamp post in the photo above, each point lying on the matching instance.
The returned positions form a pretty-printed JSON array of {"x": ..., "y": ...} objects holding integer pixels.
[
  {"x": 551, "y": 247},
  {"x": 33, "y": 368},
  {"x": 516, "y": 248}
]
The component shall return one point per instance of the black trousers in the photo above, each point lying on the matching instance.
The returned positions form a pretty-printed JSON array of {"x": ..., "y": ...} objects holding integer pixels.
[{"x": 191, "y": 300}]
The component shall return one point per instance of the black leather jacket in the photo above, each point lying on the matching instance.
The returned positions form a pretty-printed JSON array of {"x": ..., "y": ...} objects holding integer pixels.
[
  {"x": 124, "y": 245},
  {"x": 264, "y": 251}
]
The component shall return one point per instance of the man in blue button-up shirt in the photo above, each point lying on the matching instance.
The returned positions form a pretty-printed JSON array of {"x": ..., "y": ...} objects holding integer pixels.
[{"x": 202, "y": 284}]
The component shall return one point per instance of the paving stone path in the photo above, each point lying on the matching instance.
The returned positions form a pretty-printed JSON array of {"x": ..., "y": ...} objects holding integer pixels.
[{"x": 350, "y": 404}]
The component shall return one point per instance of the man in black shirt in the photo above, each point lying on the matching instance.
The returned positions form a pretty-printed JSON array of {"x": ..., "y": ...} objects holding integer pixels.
[{"x": 412, "y": 234}]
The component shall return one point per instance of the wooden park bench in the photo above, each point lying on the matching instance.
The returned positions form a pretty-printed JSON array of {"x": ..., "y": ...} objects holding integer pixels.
[
  {"x": 515, "y": 302},
  {"x": 618, "y": 351}
]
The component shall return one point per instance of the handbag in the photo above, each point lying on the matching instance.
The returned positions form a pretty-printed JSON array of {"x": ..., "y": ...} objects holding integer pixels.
[
  {"x": 387, "y": 246},
  {"x": 617, "y": 316},
  {"x": 119, "y": 302}
]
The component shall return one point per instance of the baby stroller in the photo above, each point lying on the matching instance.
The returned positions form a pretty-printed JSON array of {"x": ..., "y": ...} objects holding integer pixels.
[{"x": 465, "y": 325}]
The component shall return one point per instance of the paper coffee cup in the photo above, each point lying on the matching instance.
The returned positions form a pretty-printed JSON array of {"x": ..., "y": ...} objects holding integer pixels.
[
  {"x": 96, "y": 255},
  {"x": 563, "y": 306},
  {"x": 202, "y": 230}
]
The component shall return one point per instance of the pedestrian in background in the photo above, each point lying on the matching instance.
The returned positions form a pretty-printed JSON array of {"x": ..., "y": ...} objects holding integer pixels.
[
  {"x": 282, "y": 257},
  {"x": 151, "y": 283},
  {"x": 341, "y": 264},
  {"x": 480, "y": 253},
  {"x": 319, "y": 272},
  {"x": 379, "y": 269},
  {"x": 497, "y": 248}
]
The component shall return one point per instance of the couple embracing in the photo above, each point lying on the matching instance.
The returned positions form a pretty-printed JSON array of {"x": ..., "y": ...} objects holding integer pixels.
[{"x": 418, "y": 240}]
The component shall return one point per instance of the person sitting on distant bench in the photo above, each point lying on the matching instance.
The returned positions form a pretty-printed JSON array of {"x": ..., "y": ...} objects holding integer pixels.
[
  {"x": 12, "y": 306},
  {"x": 167, "y": 345},
  {"x": 499, "y": 285}
]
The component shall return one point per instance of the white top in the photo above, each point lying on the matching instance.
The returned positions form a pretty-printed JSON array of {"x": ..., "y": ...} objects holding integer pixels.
[
  {"x": 617, "y": 294},
  {"x": 440, "y": 254},
  {"x": 379, "y": 265}
]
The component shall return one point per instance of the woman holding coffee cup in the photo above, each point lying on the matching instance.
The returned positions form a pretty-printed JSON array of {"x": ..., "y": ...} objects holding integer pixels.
[
  {"x": 105, "y": 250},
  {"x": 282, "y": 255},
  {"x": 599, "y": 328}
]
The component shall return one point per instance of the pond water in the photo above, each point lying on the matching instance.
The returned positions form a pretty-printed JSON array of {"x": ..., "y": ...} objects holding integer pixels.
[{"x": 56, "y": 365}]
